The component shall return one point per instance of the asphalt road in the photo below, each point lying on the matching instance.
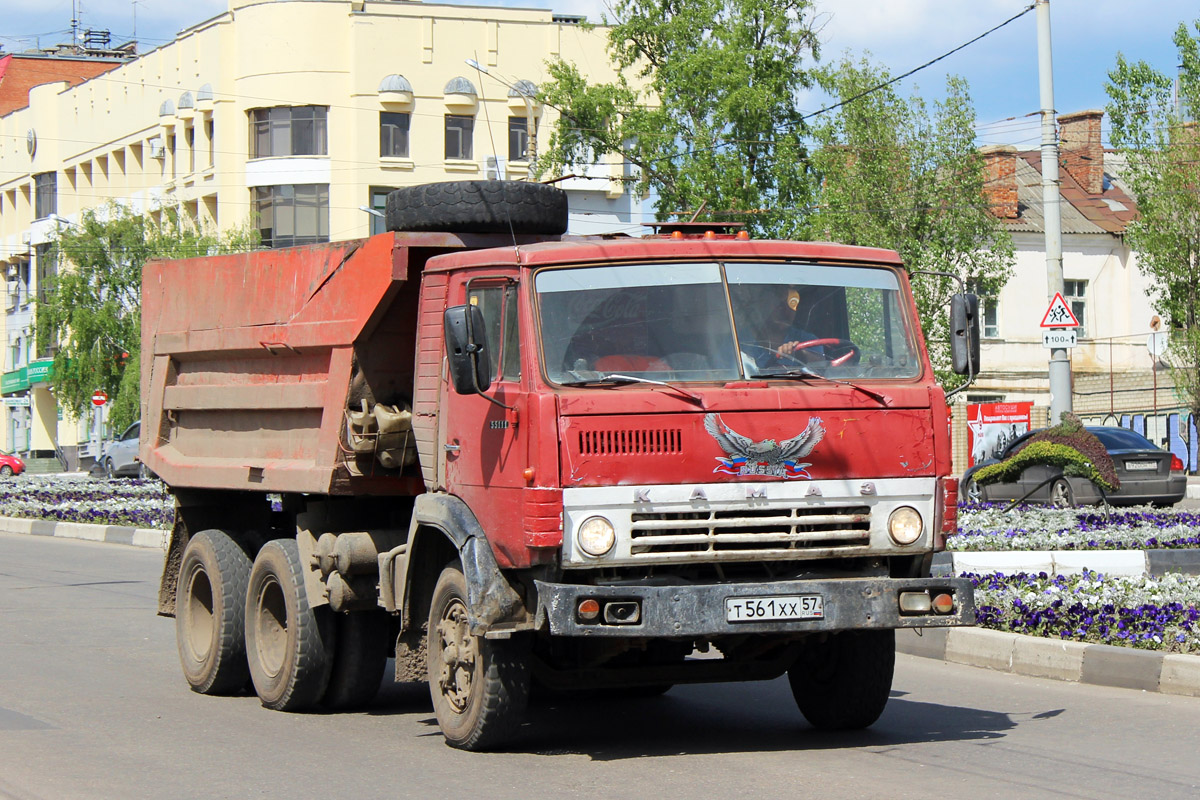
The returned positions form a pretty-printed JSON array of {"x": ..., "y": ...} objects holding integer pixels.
[{"x": 92, "y": 705}]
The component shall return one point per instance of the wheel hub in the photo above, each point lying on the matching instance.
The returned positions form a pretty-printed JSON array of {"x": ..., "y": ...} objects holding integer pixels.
[{"x": 458, "y": 651}]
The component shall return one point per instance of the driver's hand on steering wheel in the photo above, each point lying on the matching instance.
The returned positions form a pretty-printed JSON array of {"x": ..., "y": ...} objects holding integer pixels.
[{"x": 794, "y": 350}]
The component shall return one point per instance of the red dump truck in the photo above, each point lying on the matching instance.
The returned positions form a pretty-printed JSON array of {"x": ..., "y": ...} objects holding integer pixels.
[{"x": 506, "y": 456}]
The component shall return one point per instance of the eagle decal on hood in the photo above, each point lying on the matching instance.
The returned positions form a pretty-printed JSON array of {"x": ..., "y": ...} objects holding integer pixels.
[{"x": 767, "y": 457}]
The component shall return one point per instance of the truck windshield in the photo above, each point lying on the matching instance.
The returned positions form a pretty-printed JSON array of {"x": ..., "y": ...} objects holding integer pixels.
[{"x": 720, "y": 322}]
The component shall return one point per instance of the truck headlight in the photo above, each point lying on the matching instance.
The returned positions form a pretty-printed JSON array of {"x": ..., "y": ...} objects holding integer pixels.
[
  {"x": 904, "y": 525},
  {"x": 596, "y": 536}
]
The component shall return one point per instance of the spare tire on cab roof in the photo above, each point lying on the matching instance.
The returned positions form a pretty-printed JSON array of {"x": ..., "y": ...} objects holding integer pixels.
[{"x": 478, "y": 207}]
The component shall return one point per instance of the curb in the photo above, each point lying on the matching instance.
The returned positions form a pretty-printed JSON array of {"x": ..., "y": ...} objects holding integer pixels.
[
  {"x": 114, "y": 534},
  {"x": 1069, "y": 562},
  {"x": 1036, "y": 657}
]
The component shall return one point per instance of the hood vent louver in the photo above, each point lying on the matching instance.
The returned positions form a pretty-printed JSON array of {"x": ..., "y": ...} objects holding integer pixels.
[{"x": 645, "y": 442}]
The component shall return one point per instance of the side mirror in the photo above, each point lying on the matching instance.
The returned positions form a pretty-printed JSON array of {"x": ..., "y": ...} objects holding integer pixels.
[
  {"x": 964, "y": 334},
  {"x": 470, "y": 367}
]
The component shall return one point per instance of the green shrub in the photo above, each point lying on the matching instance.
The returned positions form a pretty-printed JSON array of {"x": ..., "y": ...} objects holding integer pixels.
[{"x": 1067, "y": 445}]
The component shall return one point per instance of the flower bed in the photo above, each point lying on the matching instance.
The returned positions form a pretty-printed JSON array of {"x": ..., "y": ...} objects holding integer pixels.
[
  {"x": 987, "y": 527},
  {"x": 68, "y": 498},
  {"x": 1142, "y": 612}
]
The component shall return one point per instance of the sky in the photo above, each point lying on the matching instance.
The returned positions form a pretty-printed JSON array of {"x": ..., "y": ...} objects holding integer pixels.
[{"x": 1002, "y": 68}]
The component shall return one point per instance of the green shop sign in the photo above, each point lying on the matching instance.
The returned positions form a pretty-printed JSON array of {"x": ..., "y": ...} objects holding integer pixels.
[
  {"x": 41, "y": 371},
  {"x": 15, "y": 381}
]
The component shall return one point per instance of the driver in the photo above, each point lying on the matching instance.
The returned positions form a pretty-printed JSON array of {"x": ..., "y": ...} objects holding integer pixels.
[{"x": 780, "y": 336}]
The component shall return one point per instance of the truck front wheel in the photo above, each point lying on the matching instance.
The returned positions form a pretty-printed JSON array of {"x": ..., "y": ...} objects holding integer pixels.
[
  {"x": 288, "y": 644},
  {"x": 210, "y": 606},
  {"x": 480, "y": 687},
  {"x": 843, "y": 682}
]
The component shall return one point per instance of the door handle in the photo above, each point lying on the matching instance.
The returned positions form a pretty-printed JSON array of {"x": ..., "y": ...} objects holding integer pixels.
[{"x": 451, "y": 448}]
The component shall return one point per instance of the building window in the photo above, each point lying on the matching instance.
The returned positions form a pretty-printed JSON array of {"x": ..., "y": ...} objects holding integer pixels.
[
  {"x": 210, "y": 134},
  {"x": 46, "y": 268},
  {"x": 288, "y": 131},
  {"x": 189, "y": 136},
  {"x": 989, "y": 317},
  {"x": 1075, "y": 293},
  {"x": 45, "y": 188},
  {"x": 393, "y": 134},
  {"x": 291, "y": 215},
  {"x": 460, "y": 132},
  {"x": 518, "y": 138},
  {"x": 379, "y": 195}
]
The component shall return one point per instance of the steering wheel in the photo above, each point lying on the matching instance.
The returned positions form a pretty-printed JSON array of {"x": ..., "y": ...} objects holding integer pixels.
[{"x": 850, "y": 356}]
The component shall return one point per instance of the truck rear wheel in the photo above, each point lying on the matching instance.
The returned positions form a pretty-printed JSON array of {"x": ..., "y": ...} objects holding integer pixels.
[
  {"x": 843, "y": 682},
  {"x": 289, "y": 645},
  {"x": 359, "y": 659},
  {"x": 478, "y": 207},
  {"x": 210, "y": 613},
  {"x": 480, "y": 687}
]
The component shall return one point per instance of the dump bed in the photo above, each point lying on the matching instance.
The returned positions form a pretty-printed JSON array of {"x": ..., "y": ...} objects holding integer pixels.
[{"x": 251, "y": 362}]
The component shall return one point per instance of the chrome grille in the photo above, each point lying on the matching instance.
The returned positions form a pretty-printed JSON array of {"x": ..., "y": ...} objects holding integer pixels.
[{"x": 786, "y": 531}]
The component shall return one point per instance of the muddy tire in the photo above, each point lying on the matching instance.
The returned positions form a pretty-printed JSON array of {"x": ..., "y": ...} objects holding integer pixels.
[
  {"x": 6, "y": 471},
  {"x": 478, "y": 207},
  {"x": 210, "y": 608},
  {"x": 480, "y": 687},
  {"x": 359, "y": 659},
  {"x": 288, "y": 645},
  {"x": 843, "y": 682}
]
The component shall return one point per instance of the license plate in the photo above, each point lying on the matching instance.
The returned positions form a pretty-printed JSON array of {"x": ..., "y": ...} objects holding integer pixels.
[
  {"x": 1141, "y": 466},
  {"x": 765, "y": 609}
]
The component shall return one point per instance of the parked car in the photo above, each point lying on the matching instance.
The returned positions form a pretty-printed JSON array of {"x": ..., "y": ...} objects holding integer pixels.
[
  {"x": 120, "y": 458},
  {"x": 1148, "y": 474},
  {"x": 10, "y": 465}
]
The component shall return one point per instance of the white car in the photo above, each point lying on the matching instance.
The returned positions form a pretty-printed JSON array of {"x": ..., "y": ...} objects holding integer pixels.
[{"x": 120, "y": 459}]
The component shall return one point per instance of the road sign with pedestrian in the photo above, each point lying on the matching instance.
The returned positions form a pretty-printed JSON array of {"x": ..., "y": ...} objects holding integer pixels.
[{"x": 1059, "y": 315}]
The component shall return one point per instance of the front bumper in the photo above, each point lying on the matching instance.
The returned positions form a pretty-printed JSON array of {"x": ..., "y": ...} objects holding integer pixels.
[{"x": 699, "y": 610}]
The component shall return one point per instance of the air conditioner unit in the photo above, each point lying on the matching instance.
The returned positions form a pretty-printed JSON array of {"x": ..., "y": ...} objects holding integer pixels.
[
  {"x": 14, "y": 289},
  {"x": 27, "y": 237},
  {"x": 10, "y": 272},
  {"x": 494, "y": 168},
  {"x": 156, "y": 148}
]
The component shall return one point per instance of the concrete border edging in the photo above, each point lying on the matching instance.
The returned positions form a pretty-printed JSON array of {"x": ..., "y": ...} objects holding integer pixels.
[
  {"x": 1037, "y": 657},
  {"x": 113, "y": 534}
]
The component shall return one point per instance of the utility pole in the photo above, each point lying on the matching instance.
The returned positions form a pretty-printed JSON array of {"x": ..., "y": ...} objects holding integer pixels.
[{"x": 1060, "y": 364}]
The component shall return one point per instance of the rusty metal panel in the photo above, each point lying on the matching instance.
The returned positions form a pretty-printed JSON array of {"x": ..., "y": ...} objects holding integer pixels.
[{"x": 249, "y": 358}]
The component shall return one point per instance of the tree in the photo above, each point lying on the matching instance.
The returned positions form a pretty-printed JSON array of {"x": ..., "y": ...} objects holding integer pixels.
[
  {"x": 1161, "y": 147},
  {"x": 712, "y": 122},
  {"x": 90, "y": 311},
  {"x": 897, "y": 176}
]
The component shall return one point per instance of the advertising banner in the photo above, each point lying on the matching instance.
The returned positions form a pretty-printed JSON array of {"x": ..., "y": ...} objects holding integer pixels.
[{"x": 992, "y": 426}]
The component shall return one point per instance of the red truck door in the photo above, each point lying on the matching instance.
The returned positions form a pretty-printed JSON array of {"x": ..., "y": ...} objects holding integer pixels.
[{"x": 486, "y": 446}]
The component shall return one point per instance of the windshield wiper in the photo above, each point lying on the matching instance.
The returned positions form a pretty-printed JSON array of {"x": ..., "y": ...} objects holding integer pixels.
[
  {"x": 804, "y": 373},
  {"x": 615, "y": 379}
]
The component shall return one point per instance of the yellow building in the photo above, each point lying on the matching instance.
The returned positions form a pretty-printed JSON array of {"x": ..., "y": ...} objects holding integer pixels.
[{"x": 297, "y": 116}]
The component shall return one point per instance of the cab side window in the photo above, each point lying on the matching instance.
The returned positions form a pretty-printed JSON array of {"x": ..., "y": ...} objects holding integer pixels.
[{"x": 497, "y": 300}]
